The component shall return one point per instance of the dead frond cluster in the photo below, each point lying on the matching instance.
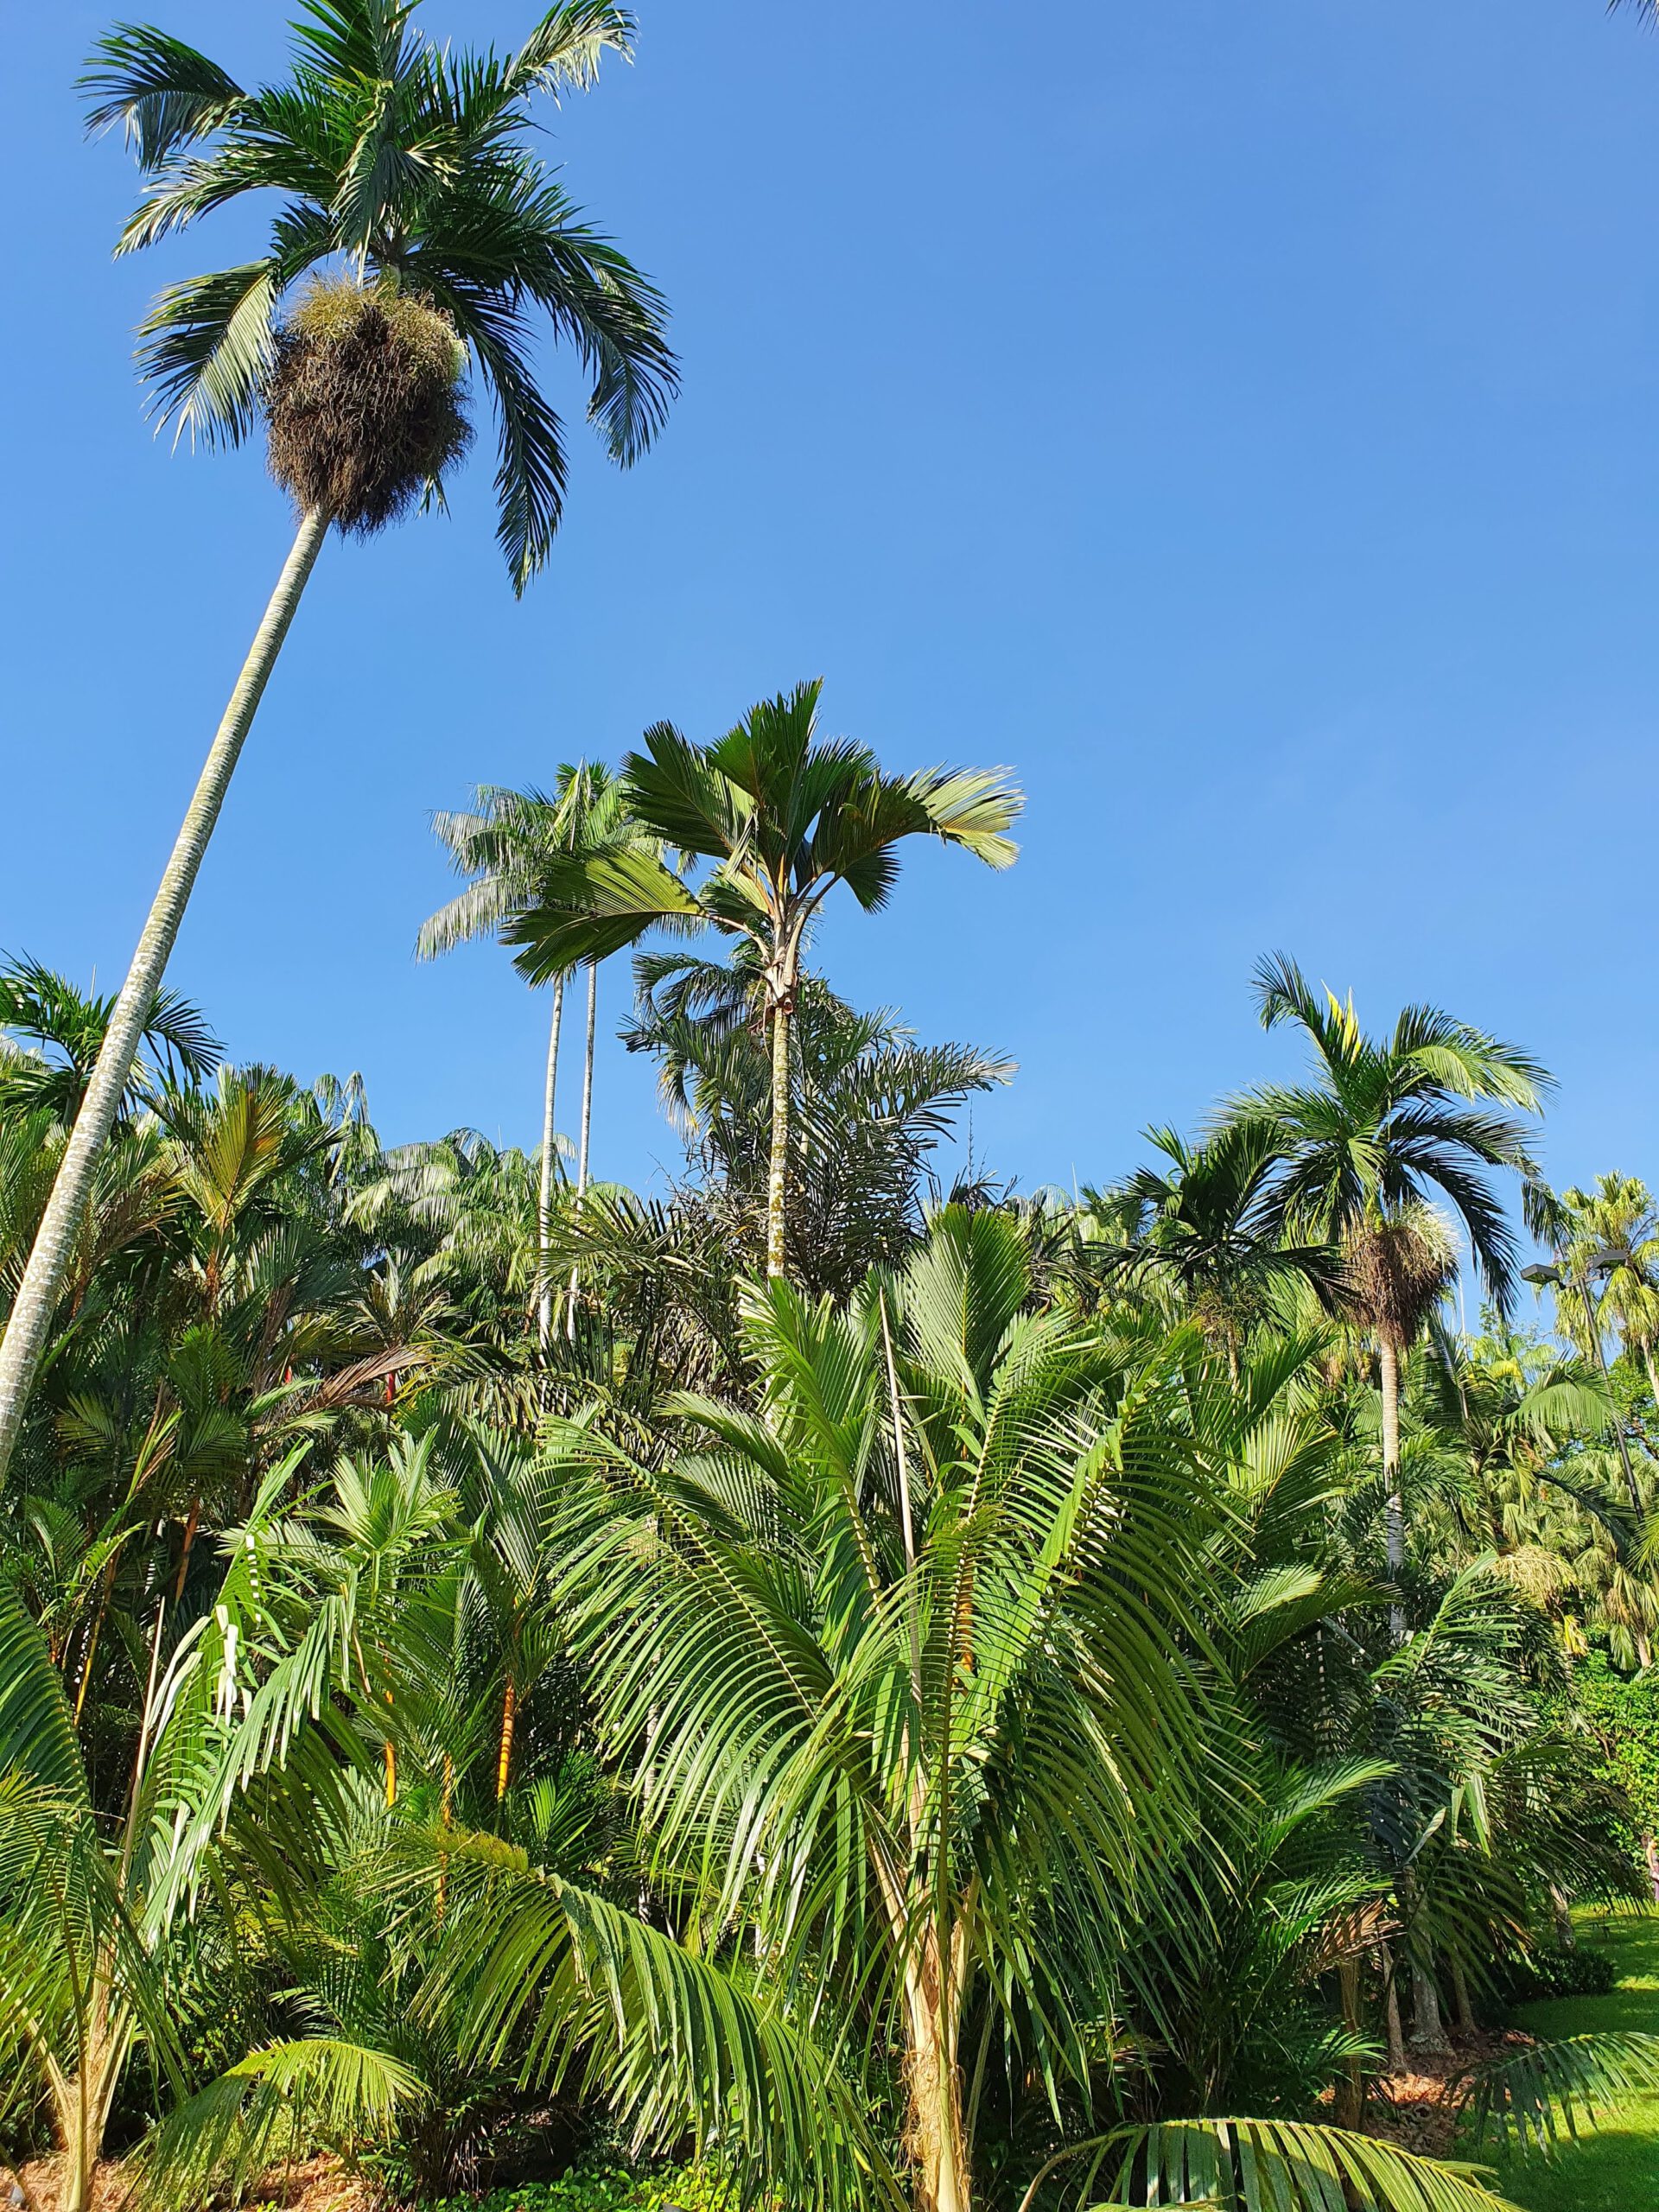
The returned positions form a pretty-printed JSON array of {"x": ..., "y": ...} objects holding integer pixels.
[
  {"x": 1396, "y": 1270},
  {"x": 365, "y": 407}
]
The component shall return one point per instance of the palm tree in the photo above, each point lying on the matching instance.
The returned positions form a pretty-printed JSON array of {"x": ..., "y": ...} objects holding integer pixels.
[
  {"x": 1615, "y": 1223},
  {"x": 505, "y": 844},
  {"x": 906, "y": 1649},
  {"x": 869, "y": 1105},
  {"x": 1201, "y": 1222},
  {"x": 234, "y": 1747},
  {"x": 783, "y": 815},
  {"x": 1386, "y": 1125},
  {"x": 62, "y": 1031},
  {"x": 405, "y": 161}
]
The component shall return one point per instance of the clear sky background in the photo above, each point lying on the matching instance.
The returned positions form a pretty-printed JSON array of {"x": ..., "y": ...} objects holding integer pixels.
[{"x": 1240, "y": 419}]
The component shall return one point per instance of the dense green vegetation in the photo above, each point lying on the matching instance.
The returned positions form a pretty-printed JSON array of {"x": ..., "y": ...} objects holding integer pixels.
[{"x": 837, "y": 1684}]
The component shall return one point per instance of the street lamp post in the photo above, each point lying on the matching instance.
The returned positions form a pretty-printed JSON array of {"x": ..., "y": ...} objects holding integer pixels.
[{"x": 1600, "y": 1263}]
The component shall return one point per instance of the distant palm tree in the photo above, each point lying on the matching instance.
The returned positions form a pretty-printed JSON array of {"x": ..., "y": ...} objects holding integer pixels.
[
  {"x": 1201, "y": 1220},
  {"x": 1616, "y": 1215},
  {"x": 62, "y": 1031},
  {"x": 506, "y": 844},
  {"x": 784, "y": 815},
  {"x": 404, "y": 162},
  {"x": 1386, "y": 1125},
  {"x": 868, "y": 1106}
]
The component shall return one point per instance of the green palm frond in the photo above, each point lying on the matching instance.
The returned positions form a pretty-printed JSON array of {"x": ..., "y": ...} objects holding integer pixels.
[
  {"x": 271, "y": 2103},
  {"x": 1264, "y": 2165},
  {"x": 1551, "y": 2090},
  {"x": 408, "y": 158}
]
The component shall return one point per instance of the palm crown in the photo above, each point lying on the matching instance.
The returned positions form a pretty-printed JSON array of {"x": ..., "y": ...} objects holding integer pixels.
[
  {"x": 785, "y": 815},
  {"x": 1388, "y": 1122},
  {"x": 406, "y": 159}
]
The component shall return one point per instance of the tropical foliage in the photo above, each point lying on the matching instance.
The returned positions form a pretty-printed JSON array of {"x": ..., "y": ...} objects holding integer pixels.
[{"x": 831, "y": 1681}]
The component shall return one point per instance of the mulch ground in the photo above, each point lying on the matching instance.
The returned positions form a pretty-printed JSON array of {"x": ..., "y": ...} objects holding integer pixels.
[
  {"x": 319, "y": 2184},
  {"x": 1419, "y": 2110}
]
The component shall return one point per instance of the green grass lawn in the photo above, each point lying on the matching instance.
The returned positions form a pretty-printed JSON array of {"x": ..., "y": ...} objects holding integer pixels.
[{"x": 1616, "y": 2167}]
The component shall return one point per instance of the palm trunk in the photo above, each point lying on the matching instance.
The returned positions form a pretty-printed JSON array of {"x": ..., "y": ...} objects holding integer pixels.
[
  {"x": 509, "y": 1715},
  {"x": 48, "y": 1260},
  {"x": 87, "y": 2098},
  {"x": 778, "y": 1173},
  {"x": 1428, "y": 2033},
  {"x": 1349, "y": 2089},
  {"x": 1460, "y": 1997},
  {"x": 544, "y": 1195},
  {"x": 1653, "y": 1374},
  {"x": 1391, "y": 2007},
  {"x": 588, "y": 1077},
  {"x": 1388, "y": 1361},
  {"x": 933, "y": 2084},
  {"x": 587, "y": 1119}
]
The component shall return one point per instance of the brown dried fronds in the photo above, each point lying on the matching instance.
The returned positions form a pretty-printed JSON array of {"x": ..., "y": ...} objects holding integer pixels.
[
  {"x": 1395, "y": 1270},
  {"x": 366, "y": 406}
]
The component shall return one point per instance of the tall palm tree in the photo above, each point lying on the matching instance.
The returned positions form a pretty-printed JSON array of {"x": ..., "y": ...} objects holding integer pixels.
[
  {"x": 506, "y": 843},
  {"x": 783, "y": 815},
  {"x": 402, "y": 164},
  {"x": 1616, "y": 1215},
  {"x": 1386, "y": 1125}
]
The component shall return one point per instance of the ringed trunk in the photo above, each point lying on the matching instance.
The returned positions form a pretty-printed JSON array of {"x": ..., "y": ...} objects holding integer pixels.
[
  {"x": 509, "y": 1716},
  {"x": 48, "y": 1260},
  {"x": 1349, "y": 2089},
  {"x": 586, "y": 1120},
  {"x": 1427, "y": 2032},
  {"x": 1388, "y": 1362},
  {"x": 1461, "y": 1999}
]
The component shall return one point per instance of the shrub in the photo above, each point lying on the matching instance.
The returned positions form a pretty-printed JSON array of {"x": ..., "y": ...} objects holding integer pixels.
[
  {"x": 698, "y": 2187},
  {"x": 1555, "y": 1972}
]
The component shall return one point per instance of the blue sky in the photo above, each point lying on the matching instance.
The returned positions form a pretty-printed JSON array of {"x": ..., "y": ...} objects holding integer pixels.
[{"x": 1241, "y": 419}]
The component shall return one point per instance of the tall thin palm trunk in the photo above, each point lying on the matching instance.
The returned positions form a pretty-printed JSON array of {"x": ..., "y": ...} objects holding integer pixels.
[
  {"x": 586, "y": 1120},
  {"x": 48, "y": 1260},
  {"x": 1388, "y": 1362},
  {"x": 588, "y": 1077},
  {"x": 778, "y": 1170},
  {"x": 544, "y": 1195}
]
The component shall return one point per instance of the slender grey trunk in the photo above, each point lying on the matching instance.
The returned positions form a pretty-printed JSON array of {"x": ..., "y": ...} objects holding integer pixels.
[
  {"x": 588, "y": 1077},
  {"x": 1391, "y": 2013},
  {"x": 1427, "y": 2034},
  {"x": 48, "y": 1260},
  {"x": 587, "y": 1122},
  {"x": 1388, "y": 1362},
  {"x": 544, "y": 1196}
]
